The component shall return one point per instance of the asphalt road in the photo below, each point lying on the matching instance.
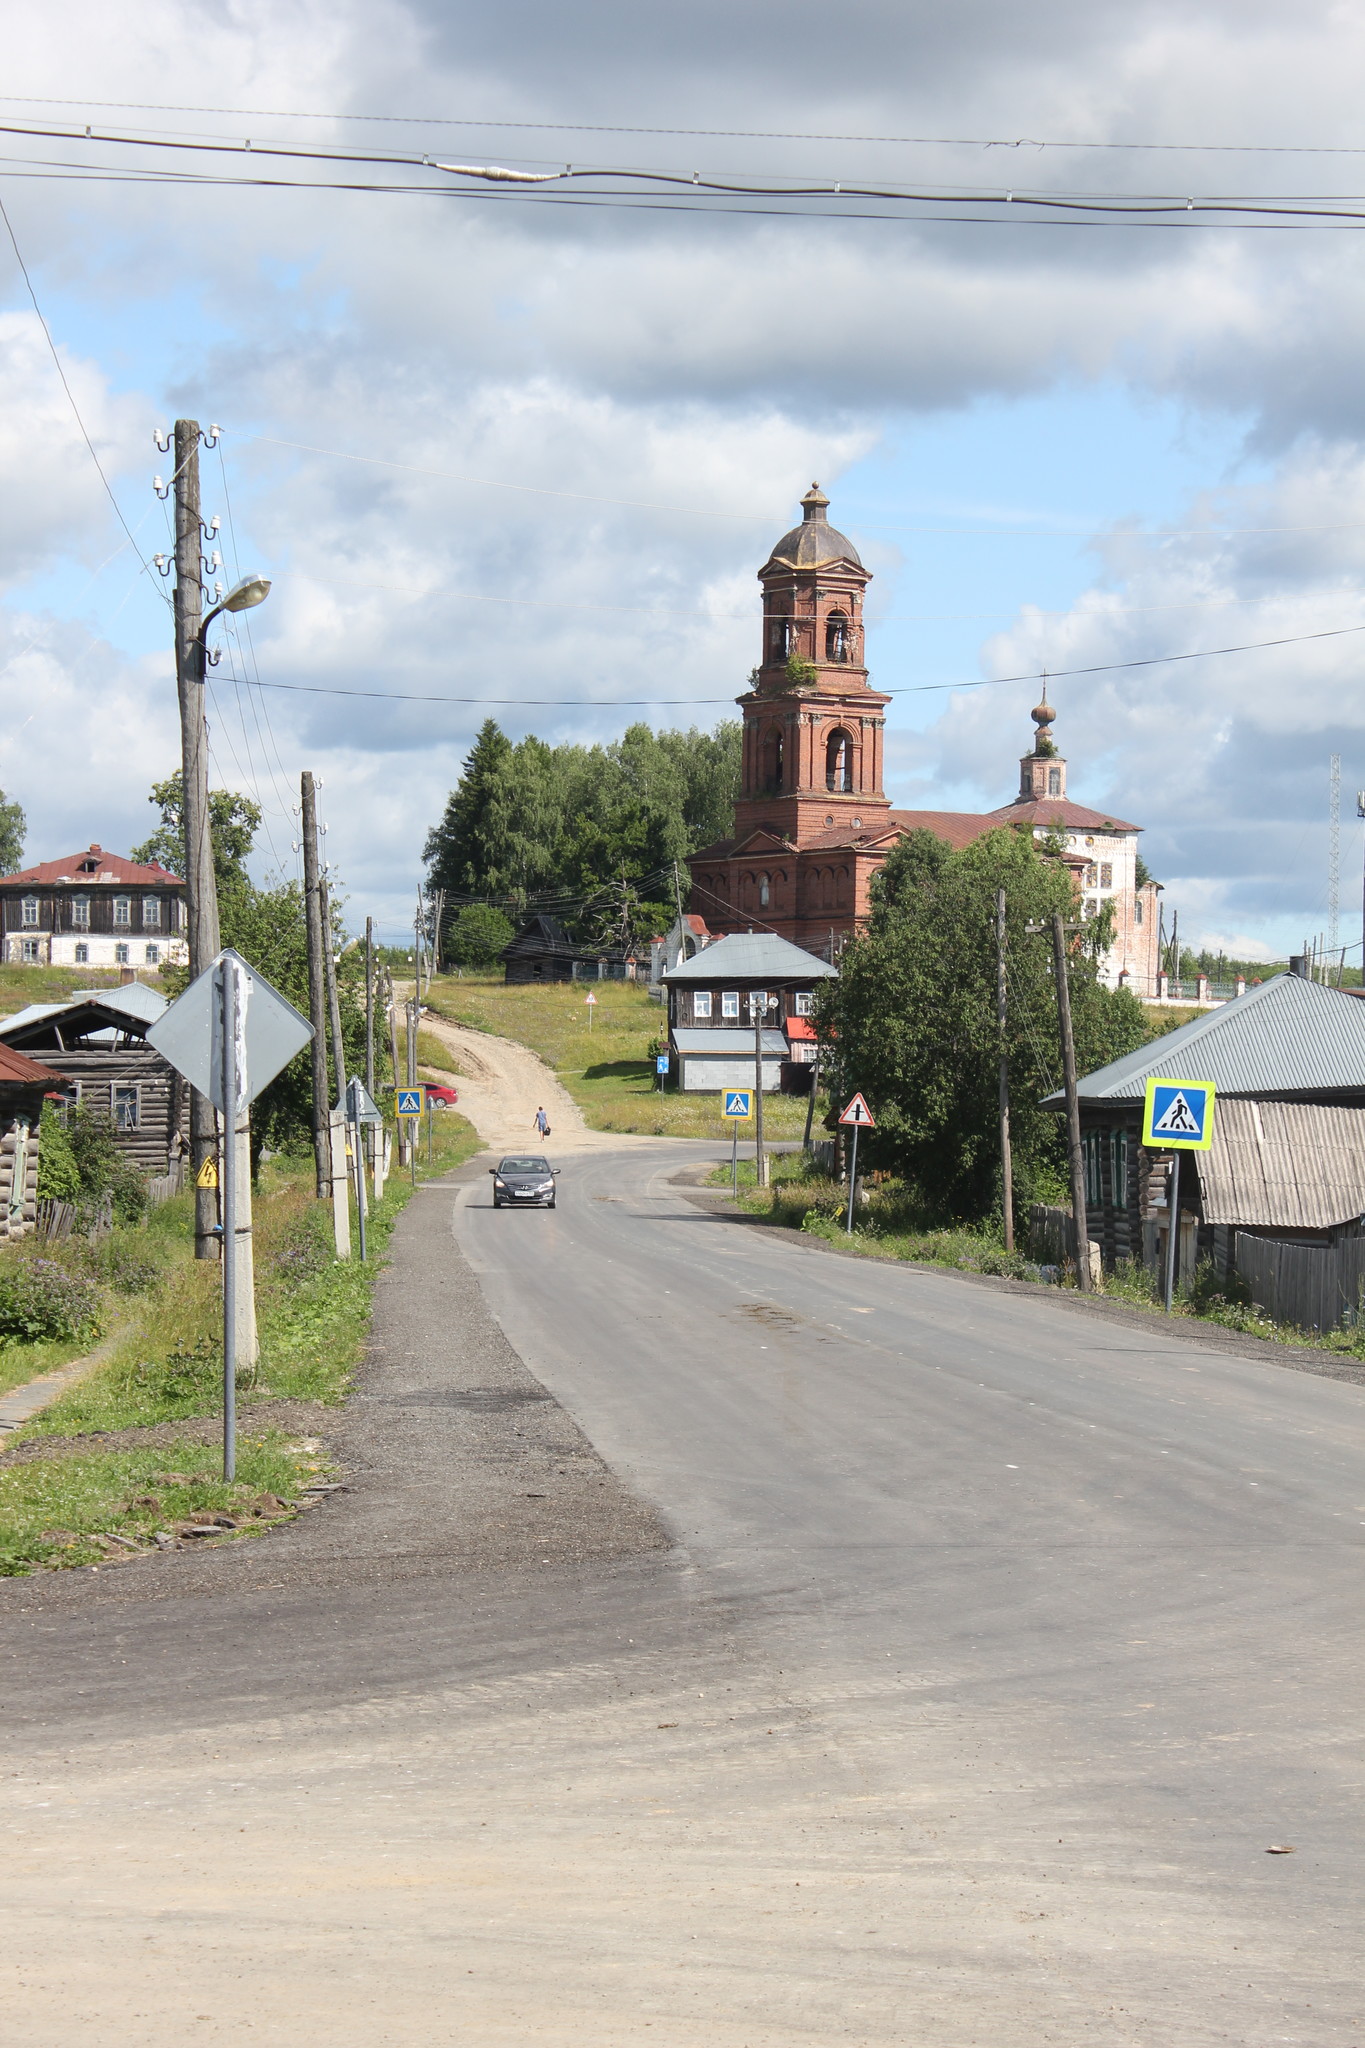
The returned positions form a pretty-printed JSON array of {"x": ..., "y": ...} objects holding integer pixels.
[{"x": 995, "y": 1646}]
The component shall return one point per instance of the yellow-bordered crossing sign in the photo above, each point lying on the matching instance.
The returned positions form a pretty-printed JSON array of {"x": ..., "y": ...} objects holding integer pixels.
[{"x": 1177, "y": 1116}]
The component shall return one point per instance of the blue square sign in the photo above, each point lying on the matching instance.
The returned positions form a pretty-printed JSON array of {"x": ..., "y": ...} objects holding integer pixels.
[{"x": 1178, "y": 1116}]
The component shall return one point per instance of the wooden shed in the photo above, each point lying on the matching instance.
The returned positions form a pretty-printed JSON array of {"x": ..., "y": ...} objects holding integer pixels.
[{"x": 96, "y": 1044}]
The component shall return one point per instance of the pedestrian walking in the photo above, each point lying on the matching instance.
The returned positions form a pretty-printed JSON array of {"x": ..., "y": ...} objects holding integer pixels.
[{"x": 542, "y": 1123}]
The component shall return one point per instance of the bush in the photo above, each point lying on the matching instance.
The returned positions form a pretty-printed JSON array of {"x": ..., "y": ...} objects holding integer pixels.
[
  {"x": 59, "y": 1177},
  {"x": 41, "y": 1301},
  {"x": 478, "y": 935},
  {"x": 103, "y": 1169}
]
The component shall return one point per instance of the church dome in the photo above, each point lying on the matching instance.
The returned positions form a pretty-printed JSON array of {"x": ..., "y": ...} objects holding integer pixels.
[{"x": 814, "y": 541}]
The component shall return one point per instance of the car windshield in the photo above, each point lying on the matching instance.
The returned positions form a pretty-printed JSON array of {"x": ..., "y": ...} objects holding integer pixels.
[{"x": 520, "y": 1166}]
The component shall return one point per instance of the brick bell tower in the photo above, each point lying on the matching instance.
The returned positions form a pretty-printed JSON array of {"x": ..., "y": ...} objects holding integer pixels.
[
  {"x": 812, "y": 822},
  {"x": 812, "y": 724}
]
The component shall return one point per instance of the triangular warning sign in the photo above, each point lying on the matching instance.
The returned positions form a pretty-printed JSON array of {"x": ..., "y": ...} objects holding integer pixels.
[
  {"x": 858, "y": 1113},
  {"x": 1178, "y": 1120}
]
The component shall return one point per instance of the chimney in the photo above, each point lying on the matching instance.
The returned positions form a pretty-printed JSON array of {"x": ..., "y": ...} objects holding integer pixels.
[
  {"x": 125, "y": 975},
  {"x": 1298, "y": 964}
]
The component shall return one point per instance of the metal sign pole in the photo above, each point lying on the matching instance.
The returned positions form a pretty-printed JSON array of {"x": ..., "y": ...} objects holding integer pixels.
[
  {"x": 1173, "y": 1225},
  {"x": 353, "y": 1133},
  {"x": 734, "y": 1157},
  {"x": 852, "y": 1183},
  {"x": 227, "y": 986}
]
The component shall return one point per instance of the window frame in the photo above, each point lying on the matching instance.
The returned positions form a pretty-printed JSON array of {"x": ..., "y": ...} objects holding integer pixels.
[
  {"x": 27, "y": 922},
  {"x": 80, "y": 913},
  {"x": 1054, "y": 781},
  {"x": 729, "y": 1003},
  {"x": 122, "y": 956},
  {"x": 29, "y": 955},
  {"x": 152, "y": 954},
  {"x": 803, "y": 1003},
  {"x": 123, "y": 913},
  {"x": 701, "y": 1004},
  {"x": 1118, "y": 1167},
  {"x": 151, "y": 913},
  {"x": 82, "y": 953},
  {"x": 122, "y": 1095},
  {"x": 1092, "y": 1152},
  {"x": 1106, "y": 874}
]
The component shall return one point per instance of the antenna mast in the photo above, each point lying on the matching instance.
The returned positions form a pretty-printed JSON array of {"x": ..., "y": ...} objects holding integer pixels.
[{"x": 1333, "y": 857}]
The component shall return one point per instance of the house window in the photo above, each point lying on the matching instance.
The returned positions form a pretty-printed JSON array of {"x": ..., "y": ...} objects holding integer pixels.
[
  {"x": 30, "y": 910},
  {"x": 758, "y": 1003},
  {"x": 151, "y": 912},
  {"x": 153, "y": 956},
  {"x": 126, "y": 1107},
  {"x": 701, "y": 1003},
  {"x": 803, "y": 1053},
  {"x": 80, "y": 913},
  {"x": 1118, "y": 1169},
  {"x": 836, "y": 637},
  {"x": 1137, "y": 911},
  {"x": 120, "y": 956},
  {"x": 82, "y": 956},
  {"x": 1094, "y": 1188},
  {"x": 729, "y": 1002},
  {"x": 123, "y": 911},
  {"x": 1054, "y": 781},
  {"x": 1106, "y": 874},
  {"x": 30, "y": 952},
  {"x": 804, "y": 1004},
  {"x": 764, "y": 891},
  {"x": 1092, "y": 875}
]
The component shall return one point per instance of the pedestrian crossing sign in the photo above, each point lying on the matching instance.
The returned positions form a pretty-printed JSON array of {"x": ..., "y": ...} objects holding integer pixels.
[
  {"x": 739, "y": 1104},
  {"x": 409, "y": 1101},
  {"x": 1178, "y": 1116}
]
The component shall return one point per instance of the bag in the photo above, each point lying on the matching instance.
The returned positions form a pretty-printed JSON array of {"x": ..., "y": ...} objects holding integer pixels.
[{"x": 546, "y": 1132}]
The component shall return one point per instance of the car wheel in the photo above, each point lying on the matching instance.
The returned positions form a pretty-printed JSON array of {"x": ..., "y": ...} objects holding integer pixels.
[{"x": 550, "y": 1204}]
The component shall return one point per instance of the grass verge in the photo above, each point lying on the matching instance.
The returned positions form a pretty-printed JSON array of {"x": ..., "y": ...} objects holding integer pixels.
[
  {"x": 166, "y": 1362},
  {"x": 607, "y": 1065}
]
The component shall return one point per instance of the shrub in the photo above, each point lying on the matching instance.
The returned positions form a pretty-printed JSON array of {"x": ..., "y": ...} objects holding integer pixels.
[
  {"x": 59, "y": 1177},
  {"x": 41, "y": 1301},
  {"x": 103, "y": 1169}
]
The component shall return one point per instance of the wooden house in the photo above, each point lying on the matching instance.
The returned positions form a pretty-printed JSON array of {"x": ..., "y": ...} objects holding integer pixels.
[
  {"x": 96, "y": 1045},
  {"x": 23, "y": 1085},
  {"x": 93, "y": 909},
  {"x": 716, "y": 997},
  {"x": 1288, "y": 1158}
]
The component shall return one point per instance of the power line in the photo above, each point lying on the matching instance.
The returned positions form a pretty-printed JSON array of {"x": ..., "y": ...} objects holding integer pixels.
[
  {"x": 905, "y": 690},
  {"x": 711, "y": 134},
  {"x": 71, "y": 400}
]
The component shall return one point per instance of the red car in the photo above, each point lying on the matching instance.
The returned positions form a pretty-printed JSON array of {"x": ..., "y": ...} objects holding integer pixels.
[{"x": 440, "y": 1097}]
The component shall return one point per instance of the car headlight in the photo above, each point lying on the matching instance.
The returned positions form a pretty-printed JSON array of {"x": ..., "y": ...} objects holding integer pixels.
[
  {"x": 547, "y": 1187},
  {"x": 500, "y": 1186}
]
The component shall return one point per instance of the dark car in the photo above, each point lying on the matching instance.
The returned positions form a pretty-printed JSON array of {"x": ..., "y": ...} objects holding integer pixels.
[{"x": 523, "y": 1179}]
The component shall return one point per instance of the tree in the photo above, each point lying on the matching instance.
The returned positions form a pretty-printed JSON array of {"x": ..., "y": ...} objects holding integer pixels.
[
  {"x": 460, "y": 852},
  {"x": 234, "y": 821},
  {"x": 911, "y": 1021},
  {"x": 13, "y": 826},
  {"x": 478, "y": 935}
]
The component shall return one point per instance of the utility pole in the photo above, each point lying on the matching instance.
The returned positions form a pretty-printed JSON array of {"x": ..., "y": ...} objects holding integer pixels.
[
  {"x": 333, "y": 1002},
  {"x": 1333, "y": 857},
  {"x": 201, "y": 886},
  {"x": 317, "y": 986},
  {"x": 814, "y": 1092},
  {"x": 1076, "y": 1159},
  {"x": 1360, "y": 813},
  {"x": 1001, "y": 999},
  {"x": 369, "y": 1007},
  {"x": 758, "y": 1003},
  {"x": 438, "y": 921},
  {"x": 414, "y": 1011}
]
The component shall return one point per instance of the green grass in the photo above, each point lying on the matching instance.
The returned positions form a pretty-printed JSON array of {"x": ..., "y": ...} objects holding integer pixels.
[
  {"x": 313, "y": 1315},
  {"x": 52, "y": 1510},
  {"x": 608, "y": 1066},
  {"x": 20, "y": 1363},
  {"x": 20, "y": 986}
]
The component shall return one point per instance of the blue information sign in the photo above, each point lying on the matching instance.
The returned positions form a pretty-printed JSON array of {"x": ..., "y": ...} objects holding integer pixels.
[
  {"x": 739, "y": 1104},
  {"x": 1178, "y": 1115}
]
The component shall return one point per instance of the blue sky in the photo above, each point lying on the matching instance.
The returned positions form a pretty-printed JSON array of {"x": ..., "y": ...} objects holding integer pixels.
[{"x": 581, "y": 431}]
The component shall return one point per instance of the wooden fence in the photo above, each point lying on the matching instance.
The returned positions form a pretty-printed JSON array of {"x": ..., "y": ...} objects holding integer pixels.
[{"x": 1317, "y": 1287}]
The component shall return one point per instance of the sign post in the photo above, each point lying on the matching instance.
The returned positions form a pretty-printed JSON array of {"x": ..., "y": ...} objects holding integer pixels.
[
  {"x": 591, "y": 1001},
  {"x": 362, "y": 1114},
  {"x": 1177, "y": 1116},
  {"x": 661, "y": 1069},
  {"x": 736, "y": 1108},
  {"x": 408, "y": 1106},
  {"x": 229, "y": 1034},
  {"x": 860, "y": 1118}
]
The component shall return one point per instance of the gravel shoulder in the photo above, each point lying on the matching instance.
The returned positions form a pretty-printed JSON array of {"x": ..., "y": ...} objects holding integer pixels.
[{"x": 455, "y": 1459}]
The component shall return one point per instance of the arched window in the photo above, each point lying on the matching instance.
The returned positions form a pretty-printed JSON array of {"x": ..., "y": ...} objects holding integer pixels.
[
  {"x": 836, "y": 637},
  {"x": 839, "y": 760},
  {"x": 1054, "y": 781},
  {"x": 781, "y": 639},
  {"x": 772, "y": 759},
  {"x": 764, "y": 891}
]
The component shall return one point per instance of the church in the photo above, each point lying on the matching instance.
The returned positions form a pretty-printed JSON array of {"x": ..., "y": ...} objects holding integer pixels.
[{"x": 813, "y": 823}]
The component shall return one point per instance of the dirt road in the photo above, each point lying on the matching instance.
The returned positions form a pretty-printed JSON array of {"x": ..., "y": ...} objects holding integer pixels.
[{"x": 502, "y": 1085}]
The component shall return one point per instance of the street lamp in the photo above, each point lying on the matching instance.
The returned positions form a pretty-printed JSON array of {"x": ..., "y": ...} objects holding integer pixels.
[{"x": 251, "y": 591}]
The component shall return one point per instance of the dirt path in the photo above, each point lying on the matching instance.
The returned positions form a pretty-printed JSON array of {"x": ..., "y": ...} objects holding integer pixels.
[{"x": 502, "y": 1084}]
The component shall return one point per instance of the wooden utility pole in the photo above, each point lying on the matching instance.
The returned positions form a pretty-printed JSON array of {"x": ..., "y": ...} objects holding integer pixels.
[
  {"x": 1001, "y": 1013},
  {"x": 369, "y": 1007},
  {"x": 814, "y": 1092},
  {"x": 201, "y": 885},
  {"x": 759, "y": 1006},
  {"x": 1076, "y": 1160},
  {"x": 317, "y": 988},
  {"x": 333, "y": 1002},
  {"x": 393, "y": 1023}
]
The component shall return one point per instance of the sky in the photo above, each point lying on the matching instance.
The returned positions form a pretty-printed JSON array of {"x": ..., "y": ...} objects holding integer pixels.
[{"x": 527, "y": 451}]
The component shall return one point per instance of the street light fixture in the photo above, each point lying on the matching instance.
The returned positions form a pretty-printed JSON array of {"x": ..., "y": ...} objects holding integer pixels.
[{"x": 252, "y": 590}]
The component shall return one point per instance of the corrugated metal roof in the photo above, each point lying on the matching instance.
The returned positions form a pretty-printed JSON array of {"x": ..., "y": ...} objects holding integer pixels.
[
  {"x": 134, "y": 997},
  {"x": 17, "y": 1067},
  {"x": 760, "y": 957},
  {"x": 1291, "y": 1165},
  {"x": 729, "y": 1044},
  {"x": 1288, "y": 1037}
]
